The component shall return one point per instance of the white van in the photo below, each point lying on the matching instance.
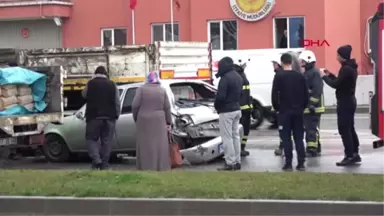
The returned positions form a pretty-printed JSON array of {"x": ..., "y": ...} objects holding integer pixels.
[{"x": 260, "y": 74}]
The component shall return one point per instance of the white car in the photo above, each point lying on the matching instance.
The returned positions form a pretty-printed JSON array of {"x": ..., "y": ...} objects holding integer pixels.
[{"x": 196, "y": 126}]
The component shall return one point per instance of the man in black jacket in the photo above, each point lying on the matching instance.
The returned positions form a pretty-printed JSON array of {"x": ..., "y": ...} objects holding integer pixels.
[
  {"x": 246, "y": 108},
  {"x": 289, "y": 98},
  {"x": 345, "y": 85},
  {"x": 102, "y": 111},
  {"x": 227, "y": 105}
]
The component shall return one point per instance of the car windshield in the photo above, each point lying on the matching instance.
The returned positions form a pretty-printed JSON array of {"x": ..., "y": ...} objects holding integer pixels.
[{"x": 190, "y": 94}]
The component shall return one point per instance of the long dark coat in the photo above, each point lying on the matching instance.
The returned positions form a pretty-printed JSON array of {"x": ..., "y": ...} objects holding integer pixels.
[{"x": 152, "y": 113}]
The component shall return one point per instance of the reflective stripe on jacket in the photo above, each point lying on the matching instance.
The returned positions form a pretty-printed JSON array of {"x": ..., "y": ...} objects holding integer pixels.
[
  {"x": 315, "y": 89},
  {"x": 245, "y": 100}
]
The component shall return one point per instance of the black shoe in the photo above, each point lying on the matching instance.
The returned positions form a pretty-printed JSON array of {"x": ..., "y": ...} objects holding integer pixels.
[
  {"x": 300, "y": 167},
  {"x": 238, "y": 166},
  {"x": 287, "y": 167},
  {"x": 227, "y": 168},
  {"x": 347, "y": 161},
  {"x": 278, "y": 152},
  {"x": 104, "y": 167},
  {"x": 273, "y": 126},
  {"x": 96, "y": 166},
  {"x": 356, "y": 158},
  {"x": 311, "y": 152},
  {"x": 244, "y": 153}
]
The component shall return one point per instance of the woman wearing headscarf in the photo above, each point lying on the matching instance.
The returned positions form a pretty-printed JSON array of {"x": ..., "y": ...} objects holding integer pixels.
[{"x": 152, "y": 113}]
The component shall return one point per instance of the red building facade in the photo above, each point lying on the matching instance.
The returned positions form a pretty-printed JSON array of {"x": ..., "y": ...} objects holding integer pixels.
[{"x": 79, "y": 23}]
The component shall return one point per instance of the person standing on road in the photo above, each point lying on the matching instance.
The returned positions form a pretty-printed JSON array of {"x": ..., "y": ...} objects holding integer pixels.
[
  {"x": 345, "y": 85},
  {"x": 151, "y": 111},
  {"x": 315, "y": 107},
  {"x": 290, "y": 98},
  {"x": 278, "y": 68},
  {"x": 102, "y": 111},
  {"x": 227, "y": 105},
  {"x": 246, "y": 109}
]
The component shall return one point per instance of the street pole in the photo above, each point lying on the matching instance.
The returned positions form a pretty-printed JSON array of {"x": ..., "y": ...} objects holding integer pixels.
[{"x": 133, "y": 28}]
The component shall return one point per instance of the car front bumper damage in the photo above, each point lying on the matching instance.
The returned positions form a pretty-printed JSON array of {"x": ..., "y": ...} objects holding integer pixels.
[{"x": 208, "y": 150}]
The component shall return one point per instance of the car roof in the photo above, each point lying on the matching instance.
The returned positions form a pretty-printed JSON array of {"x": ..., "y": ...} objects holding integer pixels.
[{"x": 163, "y": 83}]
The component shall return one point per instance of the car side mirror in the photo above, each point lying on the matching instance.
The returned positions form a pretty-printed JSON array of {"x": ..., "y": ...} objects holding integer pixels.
[{"x": 80, "y": 115}]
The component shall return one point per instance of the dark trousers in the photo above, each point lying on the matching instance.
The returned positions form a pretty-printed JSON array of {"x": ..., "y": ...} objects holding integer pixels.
[
  {"x": 292, "y": 124},
  {"x": 245, "y": 120},
  {"x": 346, "y": 125},
  {"x": 99, "y": 135},
  {"x": 312, "y": 133}
]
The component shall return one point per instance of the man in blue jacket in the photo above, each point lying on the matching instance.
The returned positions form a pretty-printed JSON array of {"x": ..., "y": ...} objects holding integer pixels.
[{"x": 227, "y": 105}]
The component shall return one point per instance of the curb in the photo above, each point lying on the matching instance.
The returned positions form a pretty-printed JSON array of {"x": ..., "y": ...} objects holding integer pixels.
[
  {"x": 359, "y": 109},
  {"x": 128, "y": 206}
]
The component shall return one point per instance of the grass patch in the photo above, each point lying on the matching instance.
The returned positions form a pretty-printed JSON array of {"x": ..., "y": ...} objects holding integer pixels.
[{"x": 183, "y": 184}]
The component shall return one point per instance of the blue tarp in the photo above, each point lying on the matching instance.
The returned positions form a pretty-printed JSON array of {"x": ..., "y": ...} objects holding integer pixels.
[{"x": 37, "y": 81}]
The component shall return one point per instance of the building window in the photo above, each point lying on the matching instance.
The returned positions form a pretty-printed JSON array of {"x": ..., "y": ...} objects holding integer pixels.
[
  {"x": 289, "y": 32},
  {"x": 163, "y": 32},
  {"x": 113, "y": 37},
  {"x": 223, "y": 34}
]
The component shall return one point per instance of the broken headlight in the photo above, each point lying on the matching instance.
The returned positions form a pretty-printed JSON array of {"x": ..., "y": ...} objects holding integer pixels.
[{"x": 183, "y": 121}]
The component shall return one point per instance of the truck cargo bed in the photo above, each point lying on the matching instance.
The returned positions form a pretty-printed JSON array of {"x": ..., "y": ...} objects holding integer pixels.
[{"x": 17, "y": 125}]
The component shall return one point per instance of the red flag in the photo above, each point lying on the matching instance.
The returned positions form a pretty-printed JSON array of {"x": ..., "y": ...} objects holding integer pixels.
[
  {"x": 132, "y": 4},
  {"x": 177, "y": 2}
]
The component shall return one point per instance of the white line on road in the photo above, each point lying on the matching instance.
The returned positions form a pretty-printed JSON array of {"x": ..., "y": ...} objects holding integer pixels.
[{"x": 327, "y": 117}]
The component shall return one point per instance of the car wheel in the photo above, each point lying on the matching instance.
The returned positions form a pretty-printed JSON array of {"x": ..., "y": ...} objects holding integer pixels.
[
  {"x": 55, "y": 149},
  {"x": 257, "y": 116}
]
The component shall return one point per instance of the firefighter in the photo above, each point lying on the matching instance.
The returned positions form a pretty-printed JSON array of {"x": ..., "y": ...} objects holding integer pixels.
[
  {"x": 246, "y": 108},
  {"x": 315, "y": 106}
]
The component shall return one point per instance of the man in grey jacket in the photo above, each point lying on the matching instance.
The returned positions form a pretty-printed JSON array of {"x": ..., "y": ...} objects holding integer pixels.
[{"x": 102, "y": 111}]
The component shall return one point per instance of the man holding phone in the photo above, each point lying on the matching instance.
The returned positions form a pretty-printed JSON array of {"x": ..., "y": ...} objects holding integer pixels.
[{"x": 345, "y": 85}]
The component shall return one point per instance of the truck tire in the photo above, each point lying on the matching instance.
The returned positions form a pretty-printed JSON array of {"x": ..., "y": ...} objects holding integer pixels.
[
  {"x": 257, "y": 116},
  {"x": 55, "y": 149}
]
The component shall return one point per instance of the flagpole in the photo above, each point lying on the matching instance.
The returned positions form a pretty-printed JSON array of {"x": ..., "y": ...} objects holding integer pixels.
[
  {"x": 133, "y": 28},
  {"x": 172, "y": 30}
]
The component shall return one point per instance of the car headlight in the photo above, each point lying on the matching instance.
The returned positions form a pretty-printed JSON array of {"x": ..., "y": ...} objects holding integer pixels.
[{"x": 183, "y": 121}]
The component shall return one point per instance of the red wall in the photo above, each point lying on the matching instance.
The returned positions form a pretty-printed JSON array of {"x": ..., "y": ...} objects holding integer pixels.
[{"x": 337, "y": 21}]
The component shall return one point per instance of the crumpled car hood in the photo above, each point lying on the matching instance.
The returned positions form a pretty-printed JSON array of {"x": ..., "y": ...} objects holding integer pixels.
[{"x": 199, "y": 114}]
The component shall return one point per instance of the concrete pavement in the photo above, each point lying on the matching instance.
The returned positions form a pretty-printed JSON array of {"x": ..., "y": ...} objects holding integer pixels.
[{"x": 261, "y": 144}]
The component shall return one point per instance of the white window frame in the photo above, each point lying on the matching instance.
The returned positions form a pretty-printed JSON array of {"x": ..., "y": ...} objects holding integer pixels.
[
  {"x": 112, "y": 35},
  {"x": 164, "y": 32},
  {"x": 288, "y": 31},
  {"x": 368, "y": 34},
  {"x": 221, "y": 32}
]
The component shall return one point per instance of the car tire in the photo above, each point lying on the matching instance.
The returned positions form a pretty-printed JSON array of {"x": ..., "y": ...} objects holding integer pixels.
[
  {"x": 257, "y": 116},
  {"x": 55, "y": 149}
]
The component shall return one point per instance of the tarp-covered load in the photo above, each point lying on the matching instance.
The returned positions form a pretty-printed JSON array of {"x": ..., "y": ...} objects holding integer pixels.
[{"x": 22, "y": 91}]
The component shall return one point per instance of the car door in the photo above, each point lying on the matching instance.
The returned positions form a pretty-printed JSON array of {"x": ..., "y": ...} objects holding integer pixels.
[
  {"x": 75, "y": 129},
  {"x": 125, "y": 126}
]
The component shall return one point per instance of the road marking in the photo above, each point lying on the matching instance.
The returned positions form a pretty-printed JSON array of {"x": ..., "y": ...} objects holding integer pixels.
[
  {"x": 324, "y": 140},
  {"x": 335, "y": 117},
  {"x": 360, "y": 132}
]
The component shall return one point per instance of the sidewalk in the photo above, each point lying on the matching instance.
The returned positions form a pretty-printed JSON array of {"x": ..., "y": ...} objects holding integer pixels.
[{"x": 360, "y": 109}]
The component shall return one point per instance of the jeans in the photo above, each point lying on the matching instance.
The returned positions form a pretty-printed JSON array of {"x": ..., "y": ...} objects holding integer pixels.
[
  {"x": 229, "y": 131},
  {"x": 346, "y": 126},
  {"x": 292, "y": 124}
]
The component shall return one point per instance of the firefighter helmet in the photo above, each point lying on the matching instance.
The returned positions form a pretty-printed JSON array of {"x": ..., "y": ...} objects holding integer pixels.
[
  {"x": 276, "y": 59},
  {"x": 308, "y": 56}
]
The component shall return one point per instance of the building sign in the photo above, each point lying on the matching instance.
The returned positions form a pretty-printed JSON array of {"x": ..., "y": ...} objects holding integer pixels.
[{"x": 251, "y": 10}]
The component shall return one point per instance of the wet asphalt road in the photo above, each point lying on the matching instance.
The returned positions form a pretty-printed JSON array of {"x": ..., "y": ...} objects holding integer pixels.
[{"x": 261, "y": 145}]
